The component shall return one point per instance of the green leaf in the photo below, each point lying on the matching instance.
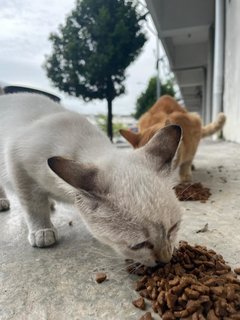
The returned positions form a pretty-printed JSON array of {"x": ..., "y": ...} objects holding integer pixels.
[{"x": 147, "y": 98}]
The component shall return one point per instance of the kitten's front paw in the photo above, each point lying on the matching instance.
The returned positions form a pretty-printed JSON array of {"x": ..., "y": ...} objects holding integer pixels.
[
  {"x": 4, "y": 204},
  {"x": 43, "y": 237}
]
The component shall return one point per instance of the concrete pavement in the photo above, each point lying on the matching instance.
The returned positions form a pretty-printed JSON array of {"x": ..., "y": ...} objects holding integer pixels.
[{"x": 58, "y": 283}]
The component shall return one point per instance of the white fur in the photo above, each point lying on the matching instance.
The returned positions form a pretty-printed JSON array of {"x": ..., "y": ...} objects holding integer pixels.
[{"x": 139, "y": 201}]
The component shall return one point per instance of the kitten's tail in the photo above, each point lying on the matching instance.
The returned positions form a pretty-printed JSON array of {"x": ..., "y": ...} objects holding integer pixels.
[{"x": 214, "y": 126}]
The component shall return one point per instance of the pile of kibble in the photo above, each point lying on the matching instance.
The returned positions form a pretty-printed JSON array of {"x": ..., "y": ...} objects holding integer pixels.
[
  {"x": 192, "y": 192},
  {"x": 197, "y": 284}
]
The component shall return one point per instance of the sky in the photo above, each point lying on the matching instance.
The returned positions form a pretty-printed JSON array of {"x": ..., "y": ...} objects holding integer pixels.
[{"x": 24, "y": 32}]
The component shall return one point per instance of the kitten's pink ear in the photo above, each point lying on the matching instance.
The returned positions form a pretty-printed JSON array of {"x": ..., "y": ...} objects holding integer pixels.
[
  {"x": 80, "y": 176},
  {"x": 131, "y": 137},
  {"x": 163, "y": 146}
]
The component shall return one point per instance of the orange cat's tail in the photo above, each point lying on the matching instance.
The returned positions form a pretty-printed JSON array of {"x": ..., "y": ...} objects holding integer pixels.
[{"x": 214, "y": 126}]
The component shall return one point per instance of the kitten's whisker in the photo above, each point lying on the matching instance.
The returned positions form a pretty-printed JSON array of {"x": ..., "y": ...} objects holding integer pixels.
[
  {"x": 109, "y": 265},
  {"x": 121, "y": 267},
  {"x": 126, "y": 266},
  {"x": 135, "y": 269},
  {"x": 119, "y": 262},
  {"x": 123, "y": 270},
  {"x": 105, "y": 255},
  {"x": 122, "y": 264}
]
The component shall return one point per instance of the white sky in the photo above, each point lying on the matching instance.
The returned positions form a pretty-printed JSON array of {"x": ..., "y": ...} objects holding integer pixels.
[{"x": 24, "y": 32}]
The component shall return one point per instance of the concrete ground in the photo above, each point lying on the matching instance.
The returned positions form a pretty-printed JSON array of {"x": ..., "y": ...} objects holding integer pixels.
[{"x": 58, "y": 283}]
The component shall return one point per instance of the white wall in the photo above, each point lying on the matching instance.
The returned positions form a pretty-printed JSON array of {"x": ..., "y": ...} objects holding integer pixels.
[{"x": 231, "y": 98}]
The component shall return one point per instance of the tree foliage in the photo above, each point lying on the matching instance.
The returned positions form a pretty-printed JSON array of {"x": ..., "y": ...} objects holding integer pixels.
[
  {"x": 102, "y": 124},
  {"x": 149, "y": 96},
  {"x": 92, "y": 50}
]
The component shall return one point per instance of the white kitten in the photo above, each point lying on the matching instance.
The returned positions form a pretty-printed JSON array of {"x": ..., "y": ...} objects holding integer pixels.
[{"x": 124, "y": 197}]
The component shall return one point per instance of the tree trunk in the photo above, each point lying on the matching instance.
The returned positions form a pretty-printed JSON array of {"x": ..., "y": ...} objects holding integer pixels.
[{"x": 109, "y": 119}]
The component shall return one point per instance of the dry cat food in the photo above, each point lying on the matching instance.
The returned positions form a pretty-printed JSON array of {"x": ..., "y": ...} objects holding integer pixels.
[
  {"x": 237, "y": 271},
  {"x": 192, "y": 192},
  {"x": 100, "y": 277},
  {"x": 146, "y": 316},
  {"x": 197, "y": 284},
  {"x": 139, "y": 303}
]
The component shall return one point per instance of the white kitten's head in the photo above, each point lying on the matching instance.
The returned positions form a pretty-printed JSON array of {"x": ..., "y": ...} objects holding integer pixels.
[{"x": 128, "y": 201}]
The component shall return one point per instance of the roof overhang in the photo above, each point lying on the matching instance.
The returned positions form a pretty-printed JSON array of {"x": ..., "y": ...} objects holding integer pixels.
[{"x": 184, "y": 29}]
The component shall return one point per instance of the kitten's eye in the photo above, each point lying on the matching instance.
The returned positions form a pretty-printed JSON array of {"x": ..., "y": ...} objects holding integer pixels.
[{"x": 144, "y": 244}]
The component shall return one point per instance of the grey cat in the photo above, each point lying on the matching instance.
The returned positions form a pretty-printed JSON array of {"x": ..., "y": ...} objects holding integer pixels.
[{"x": 124, "y": 197}]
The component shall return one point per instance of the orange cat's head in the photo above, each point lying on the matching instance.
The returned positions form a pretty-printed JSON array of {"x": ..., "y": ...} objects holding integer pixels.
[{"x": 139, "y": 139}]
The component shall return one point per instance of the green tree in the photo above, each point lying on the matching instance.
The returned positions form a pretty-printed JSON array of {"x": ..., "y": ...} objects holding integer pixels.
[
  {"x": 93, "y": 49},
  {"x": 149, "y": 96},
  {"x": 102, "y": 123}
]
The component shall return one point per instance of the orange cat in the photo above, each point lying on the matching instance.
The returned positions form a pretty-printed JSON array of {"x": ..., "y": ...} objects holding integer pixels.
[{"x": 168, "y": 111}]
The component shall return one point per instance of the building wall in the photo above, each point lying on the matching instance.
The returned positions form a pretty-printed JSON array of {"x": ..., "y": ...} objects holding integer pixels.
[
  {"x": 207, "y": 114},
  {"x": 231, "y": 98}
]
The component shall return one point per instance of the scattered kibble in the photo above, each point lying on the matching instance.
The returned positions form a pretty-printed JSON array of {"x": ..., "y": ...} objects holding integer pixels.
[
  {"x": 100, "y": 277},
  {"x": 139, "y": 303},
  {"x": 146, "y": 316}
]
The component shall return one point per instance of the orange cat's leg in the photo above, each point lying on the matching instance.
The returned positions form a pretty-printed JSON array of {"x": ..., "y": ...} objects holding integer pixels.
[{"x": 185, "y": 171}]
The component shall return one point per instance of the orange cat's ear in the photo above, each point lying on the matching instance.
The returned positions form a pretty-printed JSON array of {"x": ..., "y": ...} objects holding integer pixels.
[{"x": 131, "y": 137}]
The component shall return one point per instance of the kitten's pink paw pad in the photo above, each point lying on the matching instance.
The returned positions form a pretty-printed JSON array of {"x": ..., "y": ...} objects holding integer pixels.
[
  {"x": 43, "y": 237},
  {"x": 4, "y": 204}
]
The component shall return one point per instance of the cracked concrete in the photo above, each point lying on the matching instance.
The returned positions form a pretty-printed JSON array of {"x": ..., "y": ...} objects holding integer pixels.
[{"x": 58, "y": 283}]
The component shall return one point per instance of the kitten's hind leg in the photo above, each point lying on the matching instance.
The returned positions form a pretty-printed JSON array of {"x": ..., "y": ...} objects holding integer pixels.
[{"x": 4, "y": 202}]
